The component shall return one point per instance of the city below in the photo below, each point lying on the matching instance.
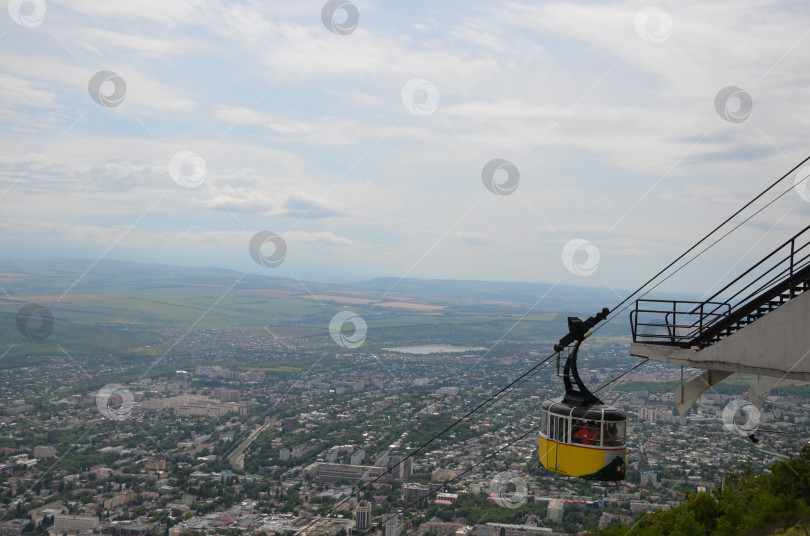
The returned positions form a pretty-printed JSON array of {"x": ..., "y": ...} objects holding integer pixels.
[{"x": 287, "y": 428}]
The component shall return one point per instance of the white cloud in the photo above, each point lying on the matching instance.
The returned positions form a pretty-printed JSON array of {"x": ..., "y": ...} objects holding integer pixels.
[
  {"x": 322, "y": 238},
  {"x": 86, "y": 164},
  {"x": 142, "y": 92},
  {"x": 328, "y": 130},
  {"x": 99, "y": 41},
  {"x": 309, "y": 50},
  {"x": 15, "y": 92},
  {"x": 157, "y": 11}
]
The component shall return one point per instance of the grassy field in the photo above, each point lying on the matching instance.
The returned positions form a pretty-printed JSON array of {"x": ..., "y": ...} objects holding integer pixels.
[{"x": 122, "y": 308}]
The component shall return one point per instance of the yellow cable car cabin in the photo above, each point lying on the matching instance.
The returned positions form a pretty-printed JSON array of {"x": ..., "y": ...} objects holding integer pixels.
[
  {"x": 584, "y": 442},
  {"x": 579, "y": 435}
]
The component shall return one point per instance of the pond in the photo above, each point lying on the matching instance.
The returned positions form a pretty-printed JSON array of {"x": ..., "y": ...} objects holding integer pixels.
[{"x": 433, "y": 349}]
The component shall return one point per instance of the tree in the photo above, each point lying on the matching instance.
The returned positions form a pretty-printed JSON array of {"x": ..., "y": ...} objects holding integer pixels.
[{"x": 686, "y": 525}]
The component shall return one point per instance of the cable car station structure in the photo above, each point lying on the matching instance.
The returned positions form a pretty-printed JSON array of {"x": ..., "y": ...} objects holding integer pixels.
[{"x": 757, "y": 324}]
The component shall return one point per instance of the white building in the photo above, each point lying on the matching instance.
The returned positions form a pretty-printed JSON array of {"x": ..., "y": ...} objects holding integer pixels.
[
  {"x": 362, "y": 515},
  {"x": 649, "y": 478},
  {"x": 66, "y": 523},
  {"x": 556, "y": 510},
  {"x": 647, "y": 414},
  {"x": 44, "y": 452},
  {"x": 358, "y": 457},
  {"x": 393, "y": 527}
]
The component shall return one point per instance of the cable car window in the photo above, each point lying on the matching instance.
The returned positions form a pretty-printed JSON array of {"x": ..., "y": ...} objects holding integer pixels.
[
  {"x": 585, "y": 432},
  {"x": 614, "y": 434},
  {"x": 556, "y": 431},
  {"x": 576, "y": 431},
  {"x": 562, "y": 430},
  {"x": 543, "y": 423}
]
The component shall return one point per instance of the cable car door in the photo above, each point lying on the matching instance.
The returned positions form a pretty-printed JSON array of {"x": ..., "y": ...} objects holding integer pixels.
[
  {"x": 556, "y": 446},
  {"x": 545, "y": 441},
  {"x": 549, "y": 453},
  {"x": 562, "y": 444}
]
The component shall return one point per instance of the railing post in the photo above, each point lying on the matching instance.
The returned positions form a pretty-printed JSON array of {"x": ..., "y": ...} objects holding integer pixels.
[
  {"x": 674, "y": 319},
  {"x": 792, "y": 251},
  {"x": 633, "y": 322}
]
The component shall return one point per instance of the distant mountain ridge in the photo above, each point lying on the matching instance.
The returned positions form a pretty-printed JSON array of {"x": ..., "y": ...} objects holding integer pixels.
[{"x": 527, "y": 293}]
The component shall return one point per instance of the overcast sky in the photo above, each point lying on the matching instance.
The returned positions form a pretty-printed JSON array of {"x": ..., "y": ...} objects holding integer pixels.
[{"x": 363, "y": 134}]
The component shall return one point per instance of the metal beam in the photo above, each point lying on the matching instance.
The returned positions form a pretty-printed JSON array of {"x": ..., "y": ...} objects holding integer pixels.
[{"x": 687, "y": 393}]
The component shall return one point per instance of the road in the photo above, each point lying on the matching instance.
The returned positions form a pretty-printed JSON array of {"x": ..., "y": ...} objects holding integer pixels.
[{"x": 237, "y": 457}]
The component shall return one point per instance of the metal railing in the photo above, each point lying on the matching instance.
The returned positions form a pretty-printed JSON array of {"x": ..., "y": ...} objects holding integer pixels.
[
  {"x": 774, "y": 280},
  {"x": 674, "y": 322}
]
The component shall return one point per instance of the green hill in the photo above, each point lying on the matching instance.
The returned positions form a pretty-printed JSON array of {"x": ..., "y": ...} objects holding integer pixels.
[{"x": 745, "y": 505}]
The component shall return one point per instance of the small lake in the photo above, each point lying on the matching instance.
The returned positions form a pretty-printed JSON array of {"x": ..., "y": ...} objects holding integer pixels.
[{"x": 433, "y": 349}]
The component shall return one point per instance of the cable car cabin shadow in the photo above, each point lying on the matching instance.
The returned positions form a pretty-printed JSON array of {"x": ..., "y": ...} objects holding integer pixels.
[{"x": 579, "y": 435}]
